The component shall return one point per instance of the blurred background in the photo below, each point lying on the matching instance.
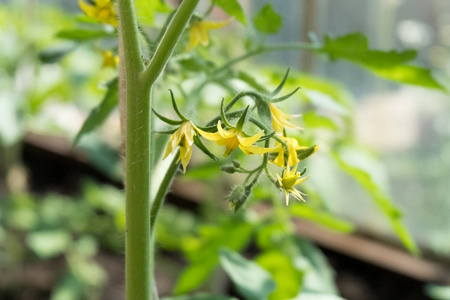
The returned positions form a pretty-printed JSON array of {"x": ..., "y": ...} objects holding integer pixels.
[{"x": 62, "y": 208}]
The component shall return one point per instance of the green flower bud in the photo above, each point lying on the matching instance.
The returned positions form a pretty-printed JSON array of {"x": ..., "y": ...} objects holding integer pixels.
[
  {"x": 238, "y": 196},
  {"x": 236, "y": 163},
  {"x": 228, "y": 168}
]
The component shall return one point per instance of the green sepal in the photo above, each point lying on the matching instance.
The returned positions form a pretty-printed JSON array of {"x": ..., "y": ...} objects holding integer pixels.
[
  {"x": 208, "y": 128},
  {"x": 199, "y": 144},
  {"x": 262, "y": 106},
  {"x": 267, "y": 136},
  {"x": 166, "y": 131},
  {"x": 222, "y": 114},
  {"x": 175, "y": 107},
  {"x": 303, "y": 172},
  {"x": 241, "y": 121},
  {"x": 282, "y": 98},
  {"x": 305, "y": 153},
  {"x": 280, "y": 86},
  {"x": 167, "y": 120}
]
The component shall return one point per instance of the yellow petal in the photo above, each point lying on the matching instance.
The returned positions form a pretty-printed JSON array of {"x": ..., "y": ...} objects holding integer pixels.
[
  {"x": 88, "y": 9},
  {"x": 300, "y": 180},
  {"x": 209, "y": 135},
  {"x": 102, "y": 3},
  {"x": 279, "y": 160},
  {"x": 194, "y": 38},
  {"x": 211, "y": 25},
  {"x": 226, "y": 133},
  {"x": 248, "y": 150},
  {"x": 247, "y": 141},
  {"x": 231, "y": 145}
]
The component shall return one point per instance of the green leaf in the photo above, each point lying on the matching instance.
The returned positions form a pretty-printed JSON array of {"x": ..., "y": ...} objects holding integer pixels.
[
  {"x": 392, "y": 65},
  {"x": 252, "y": 281},
  {"x": 372, "y": 186},
  {"x": 318, "y": 275},
  {"x": 49, "y": 243},
  {"x": 56, "y": 53},
  {"x": 264, "y": 113},
  {"x": 201, "y": 296},
  {"x": 288, "y": 279},
  {"x": 68, "y": 288},
  {"x": 233, "y": 8},
  {"x": 99, "y": 114},
  {"x": 321, "y": 217},
  {"x": 267, "y": 20},
  {"x": 203, "y": 252},
  {"x": 314, "y": 120},
  {"x": 85, "y": 34}
]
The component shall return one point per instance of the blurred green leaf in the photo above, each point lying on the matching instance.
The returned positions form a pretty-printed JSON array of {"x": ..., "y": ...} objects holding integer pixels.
[
  {"x": 202, "y": 252},
  {"x": 55, "y": 53},
  {"x": 252, "y": 281},
  {"x": 321, "y": 217},
  {"x": 11, "y": 125},
  {"x": 48, "y": 243},
  {"x": 369, "y": 182},
  {"x": 233, "y": 8},
  {"x": 314, "y": 120},
  {"x": 99, "y": 114},
  {"x": 208, "y": 170},
  {"x": 288, "y": 279},
  {"x": 68, "y": 288},
  {"x": 318, "y": 275},
  {"x": 267, "y": 20},
  {"x": 391, "y": 65},
  {"x": 437, "y": 292},
  {"x": 85, "y": 34}
]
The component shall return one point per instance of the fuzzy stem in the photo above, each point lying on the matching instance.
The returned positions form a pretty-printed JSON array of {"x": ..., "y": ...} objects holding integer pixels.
[{"x": 139, "y": 242}]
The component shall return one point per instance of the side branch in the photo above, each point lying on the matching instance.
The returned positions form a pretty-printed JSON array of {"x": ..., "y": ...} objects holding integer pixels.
[{"x": 169, "y": 41}]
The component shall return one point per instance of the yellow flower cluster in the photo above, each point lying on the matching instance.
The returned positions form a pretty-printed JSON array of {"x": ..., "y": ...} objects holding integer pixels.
[
  {"x": 102, "y": 10},
  {"x": 286, "y": 154},
  {"x": 290, "y": 177}
]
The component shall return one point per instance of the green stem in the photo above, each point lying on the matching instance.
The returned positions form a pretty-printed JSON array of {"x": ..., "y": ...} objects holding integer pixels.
[
  {"x": 170, "y": 39},
  {"x": 130, "y": 37},
  {"x": 265, "y": 49},
  {"x": 138, "y": 245}
]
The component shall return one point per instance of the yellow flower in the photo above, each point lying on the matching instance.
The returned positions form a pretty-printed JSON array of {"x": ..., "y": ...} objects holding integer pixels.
[
  {"x": 280, "y": 119},
  {"x": 103, "y": 11},
  {"x": 292, "y": 147},
  {"x": 109, "y": 59},
  {"x": 184, "y": 138},
  {"x": 234, "y": 138},
  {"x": 198, "y": 33},
  {"x": 289, "y": 179}
]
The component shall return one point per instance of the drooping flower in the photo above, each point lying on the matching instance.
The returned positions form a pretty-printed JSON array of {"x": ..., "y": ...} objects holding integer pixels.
[
  {"x": 287, "y": 182},
  {"x": 280, "y": 119},
  {"x": 184, "y": 138},
  {"x": 198, "y": 33},
  {"x": 291, "y": 148},
  {"x": 234, "y": 138},
  {"x": 103, "y": 11},
  {"x": 109, "y": 59}
]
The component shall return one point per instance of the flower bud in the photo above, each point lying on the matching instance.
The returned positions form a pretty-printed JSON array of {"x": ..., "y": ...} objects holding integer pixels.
[
  {"x": 228, "y": 168},
  {"x": 236, "y": 163},
  {"x": 238, "y": 196}
]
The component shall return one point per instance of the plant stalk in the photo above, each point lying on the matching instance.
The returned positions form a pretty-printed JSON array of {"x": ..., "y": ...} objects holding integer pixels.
[{"x": 139, "y": 82}]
